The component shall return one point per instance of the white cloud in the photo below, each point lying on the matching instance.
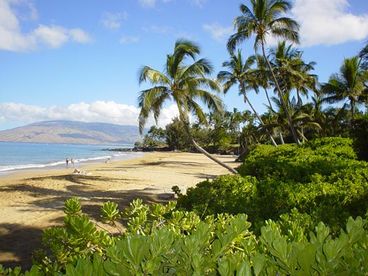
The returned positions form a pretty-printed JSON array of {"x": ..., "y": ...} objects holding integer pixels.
[
  {"x": 328, "y": 22},
  {"x": 125, "y": 39},
  {"x": 78, "y": 35},
  {"x": 217, "y": 31},
  {"x": 99, "y": 111},
  {"x": 12, "y": 38},
  {"x": 113, "y": 21},
  {"x": 55, "y": 36}
]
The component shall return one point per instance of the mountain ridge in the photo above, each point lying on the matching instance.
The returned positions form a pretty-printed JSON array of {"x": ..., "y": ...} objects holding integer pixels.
[{"x": 72, "y": 132}]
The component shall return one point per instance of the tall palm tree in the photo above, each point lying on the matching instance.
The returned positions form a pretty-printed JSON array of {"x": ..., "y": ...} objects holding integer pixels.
[
  {"x": 263, "y": 78},
  {"x": 292, "y": 71},
  {"x": 347, "y": 85},
  {"x": 183, "y": 83},
  {"x": 265, "y": 18},
  {"x": 240, "y": 72}
]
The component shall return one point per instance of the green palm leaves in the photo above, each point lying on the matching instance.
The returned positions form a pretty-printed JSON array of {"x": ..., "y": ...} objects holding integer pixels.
[
  {"x": 183, "y": 82},
  {"x": 346, "y": 85},
  {"x": 241, "y": 72},
  {"x": 265, "y": 19}
]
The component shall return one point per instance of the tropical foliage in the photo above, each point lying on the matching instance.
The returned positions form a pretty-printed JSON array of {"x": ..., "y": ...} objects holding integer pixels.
[
  {"x": 160, "y": 240},
  {"x": 321, "y": 178},
  {"x": 184, "y": 84}
]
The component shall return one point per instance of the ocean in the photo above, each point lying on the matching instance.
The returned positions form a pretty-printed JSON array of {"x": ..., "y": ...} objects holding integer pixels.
[{"x": 20, "y": 156}]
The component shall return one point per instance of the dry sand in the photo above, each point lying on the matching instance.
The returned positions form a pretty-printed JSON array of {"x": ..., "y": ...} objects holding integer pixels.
[{"x": 33, "y": 200}]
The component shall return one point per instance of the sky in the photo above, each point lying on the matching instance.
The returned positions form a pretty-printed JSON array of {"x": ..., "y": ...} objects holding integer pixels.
[{"x": 79, "y": 60}]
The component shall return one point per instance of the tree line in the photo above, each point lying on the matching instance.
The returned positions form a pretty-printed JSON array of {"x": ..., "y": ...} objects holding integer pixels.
[{"x": 299, "y": 107}]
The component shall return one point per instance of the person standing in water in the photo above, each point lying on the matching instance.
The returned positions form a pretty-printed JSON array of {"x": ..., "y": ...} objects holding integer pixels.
[
  {"x": 67, "y": 162},
  {"x": 72, "y": 162}
]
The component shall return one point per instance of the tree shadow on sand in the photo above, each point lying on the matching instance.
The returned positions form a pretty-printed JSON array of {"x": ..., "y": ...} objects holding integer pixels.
[{"x": 17, "y": 242}]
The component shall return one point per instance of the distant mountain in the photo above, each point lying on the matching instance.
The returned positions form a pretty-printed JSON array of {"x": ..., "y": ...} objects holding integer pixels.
[{"x": 72, "y": 132}]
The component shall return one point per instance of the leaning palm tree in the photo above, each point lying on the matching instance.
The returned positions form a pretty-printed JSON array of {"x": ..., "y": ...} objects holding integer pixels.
[
  {"x": 347, "y": 85},
  {"x": 184, "y": 84},
  {"x": 240, "y": 73},
  {"x": 265, "y": 19}
]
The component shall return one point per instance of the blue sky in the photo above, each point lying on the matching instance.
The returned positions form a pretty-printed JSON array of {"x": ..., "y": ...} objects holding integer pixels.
[{"x": 79, "y": 59}]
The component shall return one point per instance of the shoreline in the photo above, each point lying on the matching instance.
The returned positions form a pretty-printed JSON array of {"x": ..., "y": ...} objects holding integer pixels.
[
  {"x": 79, "y": 162},
  {"x": 32, "y": 200}
]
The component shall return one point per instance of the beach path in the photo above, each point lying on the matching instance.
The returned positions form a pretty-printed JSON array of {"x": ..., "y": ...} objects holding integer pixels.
[{"x": 33, "y": 200}]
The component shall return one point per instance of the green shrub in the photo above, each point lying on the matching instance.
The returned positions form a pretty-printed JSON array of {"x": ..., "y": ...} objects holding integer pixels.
[
  {"x": 320, "y": 178},
  {"x": 299, "y": 163},
  {"x": 167, "y": 245},
  {"x": 224, "y": 194}
]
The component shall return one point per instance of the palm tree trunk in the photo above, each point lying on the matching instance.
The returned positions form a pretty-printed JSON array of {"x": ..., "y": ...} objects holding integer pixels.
[
  {"x": 352, "y": 107},
  {"x": 302, "y": 135},
  {"x": 185, "y": 120},
  {"x": 210, "y": 156},
  {"x": 258, "y": 117},
  {"x": 281, "y": 138},
  {"x": 280, "y": 95},
  {"x": 268, "y": 99}
]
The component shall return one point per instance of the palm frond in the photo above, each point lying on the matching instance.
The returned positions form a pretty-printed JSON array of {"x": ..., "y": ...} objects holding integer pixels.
[{"x": 155, "y": 77}]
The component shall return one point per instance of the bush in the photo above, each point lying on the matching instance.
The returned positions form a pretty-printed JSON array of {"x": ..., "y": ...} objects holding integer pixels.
[
  {"x": 327, "y": 184},
  {"x": 299, "y": 163},
  {"x": 226, "y": 194},
  {"x": 170, "y": 242}
]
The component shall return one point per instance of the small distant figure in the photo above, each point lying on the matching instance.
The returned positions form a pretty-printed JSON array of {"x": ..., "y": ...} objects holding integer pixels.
[
  {"x": 72, "y": 162},
  {"x": 107, "y": 160},
  {"x": 67, "y": 162}
]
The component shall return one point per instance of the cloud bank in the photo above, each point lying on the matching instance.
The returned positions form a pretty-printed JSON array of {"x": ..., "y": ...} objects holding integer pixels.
[
  {"x": 328, "y": 22},
  {"x": 13, "y": 39},
  {"x": 99, "y": 111},
  {"x": 322, "y": 22}
]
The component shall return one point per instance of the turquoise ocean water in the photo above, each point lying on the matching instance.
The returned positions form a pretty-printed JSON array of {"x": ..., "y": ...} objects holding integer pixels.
[{"x": 20, "y": 156}]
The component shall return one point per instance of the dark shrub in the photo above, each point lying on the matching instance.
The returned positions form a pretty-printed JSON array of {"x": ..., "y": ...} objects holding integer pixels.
[{"x": 359, "y": 133}]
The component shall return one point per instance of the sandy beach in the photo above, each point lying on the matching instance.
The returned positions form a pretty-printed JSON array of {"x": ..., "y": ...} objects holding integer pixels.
[{"x": 33, "y": 200}]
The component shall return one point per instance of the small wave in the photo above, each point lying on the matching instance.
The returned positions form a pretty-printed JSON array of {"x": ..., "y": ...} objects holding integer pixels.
[
  {"x": 29, "y": 166},
  {"x": 9, "y": 168}
]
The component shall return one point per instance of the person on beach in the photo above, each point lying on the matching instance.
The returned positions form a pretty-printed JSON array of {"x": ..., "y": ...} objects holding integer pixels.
[
  {"x": 72, "y": 162},
  {"x": 67, "y": 162}
]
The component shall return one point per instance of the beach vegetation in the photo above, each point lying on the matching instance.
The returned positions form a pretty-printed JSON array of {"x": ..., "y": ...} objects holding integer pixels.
[
  {"x": 265, "y": 19},
  {"x": 321, "y": 178},
  {"x": 184, "y": 84},
  {"x": 161, "y": 240}
]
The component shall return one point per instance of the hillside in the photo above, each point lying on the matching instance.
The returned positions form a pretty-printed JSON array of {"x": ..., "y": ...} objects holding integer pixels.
[{"x": 73, "y": 132}]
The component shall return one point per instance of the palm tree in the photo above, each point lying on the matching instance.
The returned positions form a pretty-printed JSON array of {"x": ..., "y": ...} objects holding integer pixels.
[
  {"x": 240, "y": 72},
  {"x": 302, "y": 120},
  {"x": 184, "y": 84},
  {"x": 263, "y": 78},
  {"x": 292, "y": 72},
  {"x": 347, "y": 85},
  {"x": 264, "y": 19}
]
